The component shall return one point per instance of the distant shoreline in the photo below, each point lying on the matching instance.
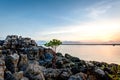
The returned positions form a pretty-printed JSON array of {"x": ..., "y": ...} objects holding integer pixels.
[{"x": 92, "y": 44}]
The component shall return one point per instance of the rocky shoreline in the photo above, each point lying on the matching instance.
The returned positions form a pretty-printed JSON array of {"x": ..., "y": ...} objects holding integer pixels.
[{"x": 22, "y": 59}]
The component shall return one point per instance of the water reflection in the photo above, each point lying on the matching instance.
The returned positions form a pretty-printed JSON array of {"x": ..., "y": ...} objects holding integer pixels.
[{"x": 105, "y": 53}]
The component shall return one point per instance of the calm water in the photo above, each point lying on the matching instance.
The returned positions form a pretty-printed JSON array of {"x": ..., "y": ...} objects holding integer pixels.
[{"x": 105, "y": 53}]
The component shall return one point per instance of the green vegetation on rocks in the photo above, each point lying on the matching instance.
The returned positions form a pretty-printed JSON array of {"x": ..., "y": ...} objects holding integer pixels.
[{"x": 54, "y": 43}]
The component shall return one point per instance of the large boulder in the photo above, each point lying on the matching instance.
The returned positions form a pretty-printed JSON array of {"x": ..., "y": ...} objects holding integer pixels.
[
  {"x": 23, "y": 62},
  {"x": 57, "y": 74},
  {"x": 101, "y": 75},
  {"x": 11, "y": 62},
  {"x": 46, "y": 58},
  {"x": 33, "y": 71}
]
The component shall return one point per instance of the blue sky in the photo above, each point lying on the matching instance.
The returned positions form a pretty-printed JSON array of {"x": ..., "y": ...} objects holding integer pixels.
[{"x": 74, "y": 20}]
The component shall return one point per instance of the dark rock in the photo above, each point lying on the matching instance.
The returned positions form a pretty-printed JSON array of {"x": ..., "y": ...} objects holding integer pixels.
[
  {"x": 4, "y": 52},
  {"x": 9, "y": 64},
  {"x": 75, "y": 69},
  {"x": 68, "y": 56},
  {"x": 59, "y": 54},
  {"x": 101, "y": 75},
  {"x": 23, "y": 62},
  {"x": 46, "y": 59},
  {"x": 106, "y": 69},
  {"x": 79, "y": 76},
  {"x": 83, "y": 69},
  {"x": 9, "y": 76},
  {"x": 62, "y": 62},
  {"x": 1, "y": 42},
  {"x": 57, "y": 74},
  {"x": 59, "y": 64},
  {"x": 73, "y": 59}
]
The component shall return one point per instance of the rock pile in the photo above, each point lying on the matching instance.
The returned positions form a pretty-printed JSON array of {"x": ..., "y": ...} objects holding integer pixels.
[{"x": 22, "y": 59}]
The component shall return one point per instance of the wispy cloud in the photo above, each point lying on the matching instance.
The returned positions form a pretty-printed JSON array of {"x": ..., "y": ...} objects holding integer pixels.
[
  {"x": 65, "y": 18},
  {"x": 99, "y": 9},
  {"x": 93, "y": 30}
]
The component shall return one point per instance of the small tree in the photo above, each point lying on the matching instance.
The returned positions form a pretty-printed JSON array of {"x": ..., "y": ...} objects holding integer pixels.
[{"x": 54, "y": 43}]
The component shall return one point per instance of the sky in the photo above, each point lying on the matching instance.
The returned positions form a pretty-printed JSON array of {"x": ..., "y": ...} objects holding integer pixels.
[{"x": 67, "y": 20}]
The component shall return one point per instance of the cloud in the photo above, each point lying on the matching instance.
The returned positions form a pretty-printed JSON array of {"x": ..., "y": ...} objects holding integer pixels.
[
  {"x": 98, "y": 9},
  {"x": 65, "y": 18},
  {"x": 95, "y": 12},
  {"x": 99, "y": 30}
]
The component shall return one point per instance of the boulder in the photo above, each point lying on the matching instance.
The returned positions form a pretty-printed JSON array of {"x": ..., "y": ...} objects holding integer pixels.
[
  {"x": 9, "y": 76},
  {"x": 33, "y": 71},
  {"x": 100, "y": 72},
  {"x": 1, "y": 42},
  {"x": 62, "y": 62},
  {"x": 78, "y": 76},
  {"x": 10, "y": 64},
  {"x": 46, "y": 58},
  {"x": 73, "y": 59},
  {"x": 2, "y": 69},
  {"x": 68, "y": 56},
  {"x": 59, "y": 54},
  {"x": 19, "y": 76},
  {"x": 23, "y": 62},
  {"x": 57, "y": 74},
  {"x": 101, "y": 75},
  {"x": 32, "y": 53},
  {"x": 0, "y": 53}
]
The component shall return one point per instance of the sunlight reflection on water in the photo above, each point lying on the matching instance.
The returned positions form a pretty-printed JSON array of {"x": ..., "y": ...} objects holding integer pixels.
[{"x": 102, "y": 53}]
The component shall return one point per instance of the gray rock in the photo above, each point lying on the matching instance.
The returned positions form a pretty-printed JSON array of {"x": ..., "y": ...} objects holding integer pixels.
[
  {"x": 10, "y": 64},
  {"x": 58, "y": 74},
  {"x": 78, "y": 76},
  {"x": 23, "y": 63},
  {"x": 34, "y": 72},
  {"x": 2, "y": 69},
  {"x": 100, "y": 72}
]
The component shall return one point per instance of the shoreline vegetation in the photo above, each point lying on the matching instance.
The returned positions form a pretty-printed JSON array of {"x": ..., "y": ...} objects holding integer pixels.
[{"x": 22, "y": 59}]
